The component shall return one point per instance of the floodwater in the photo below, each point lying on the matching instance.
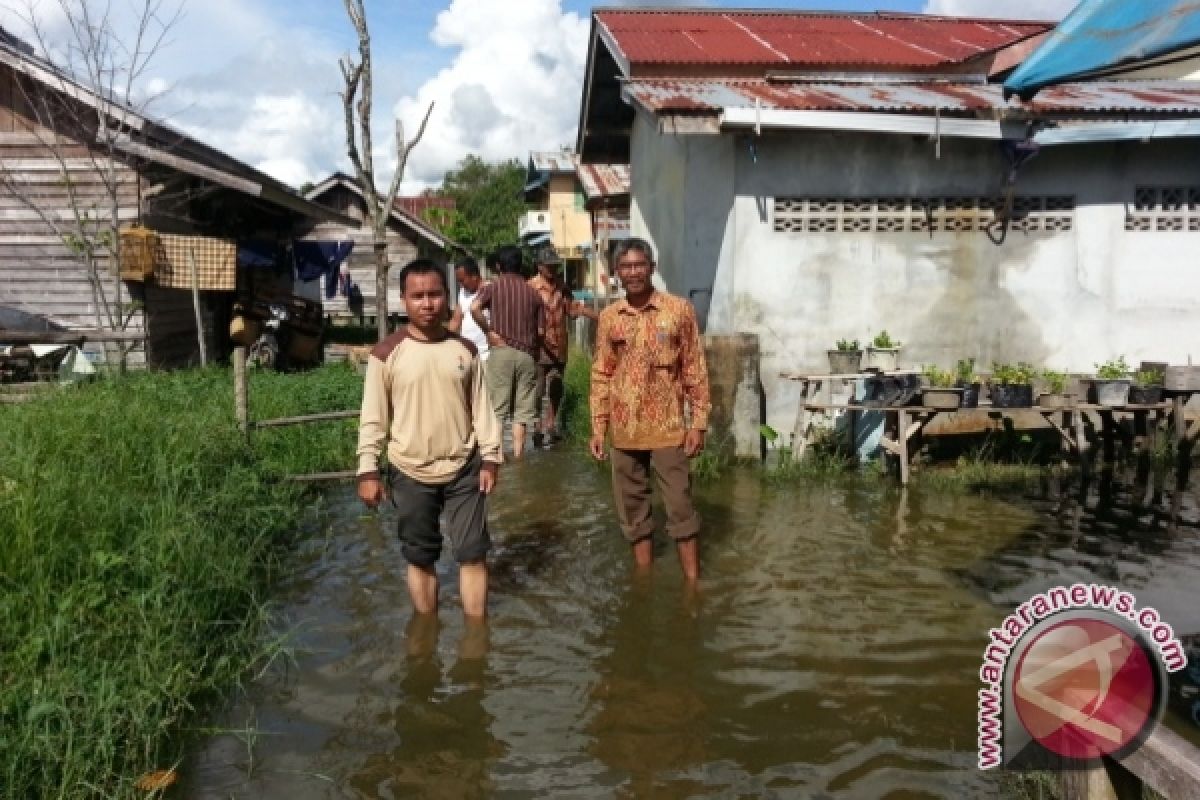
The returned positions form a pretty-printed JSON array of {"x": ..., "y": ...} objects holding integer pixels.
[{"x": 832, "y": 651}]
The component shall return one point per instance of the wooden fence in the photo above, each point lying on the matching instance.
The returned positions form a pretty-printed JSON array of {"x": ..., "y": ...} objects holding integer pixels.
[
  {"x": 241, "y": 394},
  {"x": 1166, "y": 763}
]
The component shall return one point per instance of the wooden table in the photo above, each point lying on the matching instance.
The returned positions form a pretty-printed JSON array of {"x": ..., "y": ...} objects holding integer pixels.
[
  {"x": 906, "y": 422},
  {"x": 811, "y": 388}
]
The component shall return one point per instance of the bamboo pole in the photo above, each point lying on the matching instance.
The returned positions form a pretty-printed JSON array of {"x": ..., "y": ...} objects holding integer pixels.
[
  {"x": 196, "y": 307},
  {"x": 241, "y": 391}
]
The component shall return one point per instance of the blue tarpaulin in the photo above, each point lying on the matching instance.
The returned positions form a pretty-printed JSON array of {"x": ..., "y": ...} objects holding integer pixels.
[{"x": 1103, "y": 36}]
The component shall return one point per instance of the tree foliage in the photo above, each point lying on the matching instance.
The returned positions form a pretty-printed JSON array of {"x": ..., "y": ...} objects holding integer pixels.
[{"x": 488, "y": 200}]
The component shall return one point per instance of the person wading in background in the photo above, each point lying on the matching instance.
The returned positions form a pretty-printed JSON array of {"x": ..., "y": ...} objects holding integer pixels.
[
  {"x": 466, "y": 272},
  {"x": 514, "y": 333},
  {"x": 560, "y": 305},
  {"x": 650, "y": 362},
  {"x": 425, "y": 396}
]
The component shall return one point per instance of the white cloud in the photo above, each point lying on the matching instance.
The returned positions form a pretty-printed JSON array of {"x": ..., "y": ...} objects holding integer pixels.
[
  {"x": 514, "y": 85},
  {"x": 1009, "y": 9}
]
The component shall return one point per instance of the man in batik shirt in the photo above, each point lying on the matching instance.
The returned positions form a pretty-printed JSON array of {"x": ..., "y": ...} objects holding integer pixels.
[
  {"x": 650, "y": 395},
  {"x": 560, "y": 305}
]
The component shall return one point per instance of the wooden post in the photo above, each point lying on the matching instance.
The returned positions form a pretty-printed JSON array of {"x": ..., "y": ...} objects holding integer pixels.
[
  {"x": 1082, "y": 445},
  {"x": 196, "y": 308},
  {"x": 1109, "y": 781},
  {"x": 241, "y": 391},
  {"x": 902, "y": 441}
]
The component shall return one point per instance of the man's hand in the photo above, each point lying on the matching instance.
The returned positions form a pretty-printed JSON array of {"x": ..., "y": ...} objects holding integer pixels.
[
  {"x": 693, "y": 443},
  {"x": 370, "y": 491},
  {"x": 489, "y": 473},
  {"x": 596, "y": 447}
]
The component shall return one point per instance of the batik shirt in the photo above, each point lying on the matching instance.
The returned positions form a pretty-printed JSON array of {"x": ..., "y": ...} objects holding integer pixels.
[
  {"x": 649, "y": 368},
  {"x": 559, "y": 306}
]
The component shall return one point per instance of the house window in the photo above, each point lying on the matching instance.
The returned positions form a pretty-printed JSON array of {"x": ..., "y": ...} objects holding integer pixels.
[
  {"x": 1164, "y": 208},
  {"x": 580, "y": 200},
  {"x": 921, "y": 214}
]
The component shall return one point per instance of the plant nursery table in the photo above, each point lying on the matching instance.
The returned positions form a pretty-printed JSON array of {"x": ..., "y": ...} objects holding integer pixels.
[
  {"x": 904, "y": 423},
  {"x": 816, "y": 399}
]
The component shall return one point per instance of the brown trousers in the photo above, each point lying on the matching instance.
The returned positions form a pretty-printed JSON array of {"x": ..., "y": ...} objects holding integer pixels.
[{"x": 631, "y": 489}]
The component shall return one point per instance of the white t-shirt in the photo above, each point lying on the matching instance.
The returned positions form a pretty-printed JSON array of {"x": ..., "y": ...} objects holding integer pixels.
[{"x": 470, "y": 330}]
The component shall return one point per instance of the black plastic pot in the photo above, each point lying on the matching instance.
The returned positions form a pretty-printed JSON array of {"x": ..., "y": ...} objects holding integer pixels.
[
  {"x": 1012, "y": 395},
  {"x": 1144, "y": 395},
  {"x": 885, "y": 391},
  {"x": 970, "y": 394}
]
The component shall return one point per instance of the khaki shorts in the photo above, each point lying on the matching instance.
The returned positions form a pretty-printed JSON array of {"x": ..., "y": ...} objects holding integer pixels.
[
  {"x": 511, "y": 376},
  {"x": 631, "y": 489}
]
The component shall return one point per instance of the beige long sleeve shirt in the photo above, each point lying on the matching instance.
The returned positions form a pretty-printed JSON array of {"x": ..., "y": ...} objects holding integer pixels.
[{"x": 429, "y": 403}]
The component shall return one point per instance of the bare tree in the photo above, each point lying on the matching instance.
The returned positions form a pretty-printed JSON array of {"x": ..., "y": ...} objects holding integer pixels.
[
  {"x": 79, "y": 90},
  {"x": 356, "y": 102}
]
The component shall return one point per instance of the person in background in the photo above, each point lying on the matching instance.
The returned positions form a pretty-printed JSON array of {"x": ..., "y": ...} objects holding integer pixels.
[
  {"x": 425, "y": 397},
  {"x": 560, "y": 305},
  {"x": 466, "y": 272},
  {"x": 650, "y": 395},
  {"x": 514, "y": 332}
]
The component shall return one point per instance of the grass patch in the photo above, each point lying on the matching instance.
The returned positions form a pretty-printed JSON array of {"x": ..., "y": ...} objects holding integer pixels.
[
  {"x": 138, "y": 534},
  {"x": 577, "y": 385}
]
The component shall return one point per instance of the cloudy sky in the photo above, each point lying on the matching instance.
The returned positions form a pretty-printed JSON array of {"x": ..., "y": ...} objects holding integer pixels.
[{"x": 259, "y": 78}]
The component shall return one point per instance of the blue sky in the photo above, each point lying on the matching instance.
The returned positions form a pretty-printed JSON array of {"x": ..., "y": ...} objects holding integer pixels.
[{"x": 259, "y": 78}]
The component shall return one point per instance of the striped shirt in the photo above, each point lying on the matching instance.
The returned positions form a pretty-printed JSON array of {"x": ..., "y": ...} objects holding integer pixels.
[{"x": 518, "y": 315}]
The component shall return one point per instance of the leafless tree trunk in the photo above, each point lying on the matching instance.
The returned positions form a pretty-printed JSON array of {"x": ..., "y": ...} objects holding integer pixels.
[
  {"x": 84, "y": 96},
  {"x": 356, "y": 102}
]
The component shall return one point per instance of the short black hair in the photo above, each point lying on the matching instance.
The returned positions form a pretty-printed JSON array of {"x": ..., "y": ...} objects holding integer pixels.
[
  {"x": 422, "y": 266},
  {"x": 633, "y": 243},
  {"x": 490, "y": 260},
  {"x": 468, "y": 265},
  {"x": 508, "y": 259}
]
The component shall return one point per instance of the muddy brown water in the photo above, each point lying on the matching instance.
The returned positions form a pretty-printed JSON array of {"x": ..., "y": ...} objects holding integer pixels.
[{"x": 832, "y": 651}]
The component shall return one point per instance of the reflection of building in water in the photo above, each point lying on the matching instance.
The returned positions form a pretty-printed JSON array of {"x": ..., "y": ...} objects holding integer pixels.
[
  {"x": 446, "y": 747},
  {"x": 649, "y": 714}
]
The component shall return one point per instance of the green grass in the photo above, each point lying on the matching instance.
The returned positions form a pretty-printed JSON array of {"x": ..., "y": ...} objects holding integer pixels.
[
  {"x": 577, "y": 383},
  {"x": 138, "y": 537}
]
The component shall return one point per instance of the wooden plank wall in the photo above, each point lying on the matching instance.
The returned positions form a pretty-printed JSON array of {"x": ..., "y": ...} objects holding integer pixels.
[
  {"x": 38, "y": 272},
  {"x": 402, "y": 248}
]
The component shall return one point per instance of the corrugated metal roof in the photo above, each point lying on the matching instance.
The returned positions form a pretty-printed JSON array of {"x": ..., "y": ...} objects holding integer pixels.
[
  {"x": 786, "y": 39},
  {"x": 604, "y": 180},
  {"x": 1101, "y": 97},
  {"x": 552, "y": 161}
]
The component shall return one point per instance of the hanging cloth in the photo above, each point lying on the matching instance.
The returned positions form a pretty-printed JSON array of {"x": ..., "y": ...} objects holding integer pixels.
[{"x": 316, "y": 259}]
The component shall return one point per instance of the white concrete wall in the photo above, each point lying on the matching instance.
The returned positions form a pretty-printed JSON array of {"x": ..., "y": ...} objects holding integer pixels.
[
  {"x": 1066, "y": 300},
  {"x": 682, "y": 202}
]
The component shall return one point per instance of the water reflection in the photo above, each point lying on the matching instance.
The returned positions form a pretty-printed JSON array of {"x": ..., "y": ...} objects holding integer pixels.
[
  {"x": 648, "y": 716},
  {"x": 832, "y": 649},
  {"x": 445, "y": 747}
]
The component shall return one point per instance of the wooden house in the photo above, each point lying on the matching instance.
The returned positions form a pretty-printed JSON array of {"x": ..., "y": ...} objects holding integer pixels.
[
  {"x": 76, "y": 167},
  {"x": 409, "y": 237}
]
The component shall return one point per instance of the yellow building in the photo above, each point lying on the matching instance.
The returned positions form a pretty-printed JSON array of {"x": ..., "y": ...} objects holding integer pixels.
[{"x": 563, "y": 206}]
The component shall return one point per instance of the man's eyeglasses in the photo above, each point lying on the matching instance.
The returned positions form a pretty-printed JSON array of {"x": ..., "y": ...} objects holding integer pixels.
[{"x": 633, "y": 266}]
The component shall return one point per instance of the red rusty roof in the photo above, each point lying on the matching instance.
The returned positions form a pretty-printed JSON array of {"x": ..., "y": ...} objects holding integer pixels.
[
  {"x": 604, "y": 180},
  {"x": 1099, "y": 97},
  {"x": 793, "y": 39}
]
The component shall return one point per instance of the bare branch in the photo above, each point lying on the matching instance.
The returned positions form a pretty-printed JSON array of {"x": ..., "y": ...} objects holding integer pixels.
[{"x": 403, "y": 151}]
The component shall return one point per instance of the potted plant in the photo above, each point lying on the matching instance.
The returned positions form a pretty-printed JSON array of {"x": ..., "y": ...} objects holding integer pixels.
[
  {"x": 1147, "y": 387},
  {"x": 941, "y": 392},
  {"x": 1055, "y": 395},
  {"x": 883, "y": 352},
  {"x": 1111, "y": 384},
  {"x": 847, "y": 358},
  {"x": 1011, "y": 385},
  {"x": 966, "y": 379}
]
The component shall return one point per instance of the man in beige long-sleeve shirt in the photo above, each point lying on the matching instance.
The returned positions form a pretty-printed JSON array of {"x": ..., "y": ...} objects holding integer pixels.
[{"x": 425, "y": 396}]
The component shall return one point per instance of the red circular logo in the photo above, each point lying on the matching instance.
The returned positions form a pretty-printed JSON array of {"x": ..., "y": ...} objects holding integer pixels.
[{"x": 1085, "y": 688}]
